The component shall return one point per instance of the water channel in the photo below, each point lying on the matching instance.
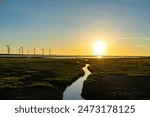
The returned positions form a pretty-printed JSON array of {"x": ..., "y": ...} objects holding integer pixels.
[{"x": 73, "y": 92}]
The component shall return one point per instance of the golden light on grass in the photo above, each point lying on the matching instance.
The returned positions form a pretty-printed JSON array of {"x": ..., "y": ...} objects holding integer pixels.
[{"x": 99, "y": 48}]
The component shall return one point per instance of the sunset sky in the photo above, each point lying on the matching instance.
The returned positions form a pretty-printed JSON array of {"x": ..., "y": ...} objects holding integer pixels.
[{"x": 73, "y": 26}]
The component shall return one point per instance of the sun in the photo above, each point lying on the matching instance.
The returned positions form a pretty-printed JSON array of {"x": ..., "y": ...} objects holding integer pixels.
[{"x": 99, "y": 47}]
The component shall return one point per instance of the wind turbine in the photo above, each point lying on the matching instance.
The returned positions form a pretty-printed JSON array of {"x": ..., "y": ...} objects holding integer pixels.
[
  {"x": 49, "y": 51},
  {"x": 28, "y": 51},
  {"x": 21, "y": 49},
  {"x": 8, "y": 48},
  {"x": 42, "y": 51},
  {"x": 34, "y": 50}
]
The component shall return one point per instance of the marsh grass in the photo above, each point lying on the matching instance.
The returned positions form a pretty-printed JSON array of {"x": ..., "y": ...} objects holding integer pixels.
[
  {"x": 118, "y": 78},
  {"x": 37, "y": 78}
]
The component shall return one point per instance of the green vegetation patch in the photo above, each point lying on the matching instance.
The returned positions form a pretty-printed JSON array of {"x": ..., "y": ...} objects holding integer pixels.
[
  {"x": 118, "y": 78},
  {"x": 27, "y": 78}
]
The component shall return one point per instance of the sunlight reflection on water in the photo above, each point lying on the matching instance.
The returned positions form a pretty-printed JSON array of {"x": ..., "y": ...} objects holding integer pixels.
[{"x": 73, "y": 92}]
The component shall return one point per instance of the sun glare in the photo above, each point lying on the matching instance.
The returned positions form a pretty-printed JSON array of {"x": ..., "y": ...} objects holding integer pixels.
[{"x": 99, "y": 48}]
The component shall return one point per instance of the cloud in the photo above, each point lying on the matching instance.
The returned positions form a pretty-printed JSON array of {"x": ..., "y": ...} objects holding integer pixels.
[
  {"x": 147, "y": 39},
  {"x": 133, "y": 38}
]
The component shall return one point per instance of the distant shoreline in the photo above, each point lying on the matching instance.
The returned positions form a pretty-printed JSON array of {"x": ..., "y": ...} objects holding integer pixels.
[{"x": 64, "y": 56}]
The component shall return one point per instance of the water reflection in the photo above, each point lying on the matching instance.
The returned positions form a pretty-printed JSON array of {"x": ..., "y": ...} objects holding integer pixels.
[
  {"x": 99, "y": 57},
  {"x": 73, "y": 92}
]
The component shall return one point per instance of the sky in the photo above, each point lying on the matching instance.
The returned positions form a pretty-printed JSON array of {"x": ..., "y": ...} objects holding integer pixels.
[{"x": 71, "y": 27}]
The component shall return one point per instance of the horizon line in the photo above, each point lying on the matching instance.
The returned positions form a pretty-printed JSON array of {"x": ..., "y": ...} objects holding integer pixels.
[{"x": 63, "y": 55}]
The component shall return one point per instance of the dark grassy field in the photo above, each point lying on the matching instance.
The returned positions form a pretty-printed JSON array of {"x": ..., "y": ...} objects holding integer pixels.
[
  {"x": 118, "y": 78},
  {"x": 37, "y": 78}
]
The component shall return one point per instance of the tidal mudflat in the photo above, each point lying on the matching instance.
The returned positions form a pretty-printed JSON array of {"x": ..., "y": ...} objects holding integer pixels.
[
  {"x": 118, "y": 78},
  {"x": 45, "y": 78},
  {"x": 37, "y": 78}
]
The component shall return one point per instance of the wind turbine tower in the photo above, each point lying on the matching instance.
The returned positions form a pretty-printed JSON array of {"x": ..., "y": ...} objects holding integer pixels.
[
  {"x": 8, "y": 48},
  {"x": 42, "y": 51},
  {"x": 34, "y": 50},
  {"x": 49, "y": 51},
  {"x": 28, "y": 51},
  {"x": 21, "y": 49}
]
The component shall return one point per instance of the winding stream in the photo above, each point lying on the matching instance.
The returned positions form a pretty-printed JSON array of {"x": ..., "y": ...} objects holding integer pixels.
[{"x": 73, "y": 92}]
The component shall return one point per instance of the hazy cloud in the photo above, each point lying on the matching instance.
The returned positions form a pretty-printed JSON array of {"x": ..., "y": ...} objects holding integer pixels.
[
  {"x": 147, "y": 39},
  {"x": 132, "y": 38},
  {"x": 110, "y": 41}
]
